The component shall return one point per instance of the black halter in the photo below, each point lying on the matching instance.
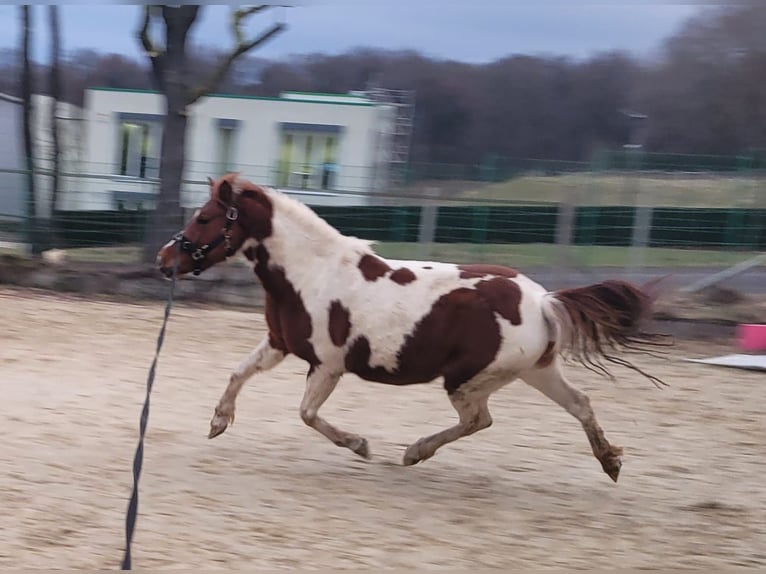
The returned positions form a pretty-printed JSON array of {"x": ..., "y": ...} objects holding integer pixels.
[{"x": 198, "y": 253}]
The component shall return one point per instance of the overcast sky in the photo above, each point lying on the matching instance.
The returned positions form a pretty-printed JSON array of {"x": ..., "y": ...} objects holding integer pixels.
[{"x": 470, "y": 30}]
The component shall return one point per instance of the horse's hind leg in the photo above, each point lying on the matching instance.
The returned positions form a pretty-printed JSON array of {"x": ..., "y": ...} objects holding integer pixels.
[
  {"x": 263, "y": 358},
  {"x": 470, "y": 402},
  {"x": 319, "y": 386},
  {"x": 551, "y": 382}
]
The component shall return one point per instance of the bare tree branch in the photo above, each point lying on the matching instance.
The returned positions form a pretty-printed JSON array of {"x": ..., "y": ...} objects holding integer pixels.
[
  {"x": 240, "y": 15},
  {"x": 143, "y": 34},
  {"x": 242, "y": 47},
  {"x": 155, "y": 56}
]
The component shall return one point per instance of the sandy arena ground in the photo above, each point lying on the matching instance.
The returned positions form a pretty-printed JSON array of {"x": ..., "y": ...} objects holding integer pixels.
[{"x": 272, "y": 493}]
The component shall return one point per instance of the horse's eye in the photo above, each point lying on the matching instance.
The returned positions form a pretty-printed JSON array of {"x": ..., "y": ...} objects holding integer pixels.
[{"x": 202, "y": 220}]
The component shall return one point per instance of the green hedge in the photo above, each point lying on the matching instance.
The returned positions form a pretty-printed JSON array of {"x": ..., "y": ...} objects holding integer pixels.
[
  {"x": 500, "y": 168},
  {"x": 654, "y": 161}
]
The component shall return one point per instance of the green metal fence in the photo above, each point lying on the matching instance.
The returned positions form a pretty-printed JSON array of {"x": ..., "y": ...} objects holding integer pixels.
[{"x": 696, "y": 210}]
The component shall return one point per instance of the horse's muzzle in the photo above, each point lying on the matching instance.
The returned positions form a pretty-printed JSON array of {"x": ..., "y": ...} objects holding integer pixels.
[{"x": 166, "y": 271}]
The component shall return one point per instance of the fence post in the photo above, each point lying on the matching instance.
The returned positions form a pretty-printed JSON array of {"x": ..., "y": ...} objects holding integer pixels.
[
  {"x": 642, "y": 221},
  {"x": 642, "y": 225},
  {"x": 427, "y": 230},
  {"x": 565, "y": 224}
]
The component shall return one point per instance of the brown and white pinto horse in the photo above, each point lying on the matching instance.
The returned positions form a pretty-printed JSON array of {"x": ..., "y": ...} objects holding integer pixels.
[{"x": 331, "y": 301}]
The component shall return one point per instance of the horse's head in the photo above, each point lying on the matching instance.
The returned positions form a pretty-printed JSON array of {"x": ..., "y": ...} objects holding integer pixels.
[{"x": 215, "y": 232}]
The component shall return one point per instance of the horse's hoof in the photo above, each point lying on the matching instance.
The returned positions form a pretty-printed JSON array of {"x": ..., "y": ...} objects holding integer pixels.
[
  {"x": 614, "y": 471},
  {"x": 412, "y": 455},
  {"x": 219, "y": 424},
  {"x": 362, "y": 448},
  {"x": 611, "y": 462}
]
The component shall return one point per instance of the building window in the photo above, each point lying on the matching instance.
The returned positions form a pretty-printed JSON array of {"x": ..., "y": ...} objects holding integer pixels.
[
  {"x": 139, "y": 146},
  {"x": 329, "y": 166},
  {"x": 308, "y": 156},
  {"x": 285, "y": 159},
  {"x": 226, "y": 139},
  {"x": 227, "y": 136}
]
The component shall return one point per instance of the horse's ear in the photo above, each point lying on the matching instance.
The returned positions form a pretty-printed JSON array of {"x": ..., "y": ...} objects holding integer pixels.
[
  {"x": 225, "y": 192},
  {"x": 210, "y": 181}
]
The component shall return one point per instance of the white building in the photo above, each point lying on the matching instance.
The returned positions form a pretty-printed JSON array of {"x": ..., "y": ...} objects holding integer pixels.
[
  {"x": 325, "y": 148},
  {"x": 70, "y": 135},
  {"x": 13, "y": 184}
]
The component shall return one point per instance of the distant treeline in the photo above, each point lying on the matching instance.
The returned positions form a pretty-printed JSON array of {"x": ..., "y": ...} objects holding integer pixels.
[{"x": 704, "y": 93}]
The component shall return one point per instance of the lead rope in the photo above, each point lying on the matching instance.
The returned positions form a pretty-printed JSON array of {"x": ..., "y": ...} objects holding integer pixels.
[{"x": 138, "y": 458}]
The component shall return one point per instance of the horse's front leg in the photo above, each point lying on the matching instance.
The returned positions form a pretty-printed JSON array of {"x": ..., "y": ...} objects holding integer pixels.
[
  {"x": 320, "y": 384},
  {"x": 473, "y": 411},
  {"x": 263, "y": 358}
]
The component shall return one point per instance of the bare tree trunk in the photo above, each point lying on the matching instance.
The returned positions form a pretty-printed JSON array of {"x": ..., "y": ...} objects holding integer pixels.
[
  {"x": 26, "y": 96},
  {"x": 55, "y": 90},
  {"x": 171, "y": 77},
  {"x": 167, "y": 217}
]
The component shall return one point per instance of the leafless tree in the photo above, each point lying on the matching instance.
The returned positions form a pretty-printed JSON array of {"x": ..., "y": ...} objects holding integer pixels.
[
  {"x": 26, "y": 96},
  {"x": 54, "y": 83},
  {"x": 172, "y": 77}
]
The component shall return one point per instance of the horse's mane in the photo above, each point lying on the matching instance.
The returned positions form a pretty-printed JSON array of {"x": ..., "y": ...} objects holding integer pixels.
[{"x": 305, "y": 217}]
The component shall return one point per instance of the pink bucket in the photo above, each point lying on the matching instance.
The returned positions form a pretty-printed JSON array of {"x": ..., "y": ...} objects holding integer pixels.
[{"x": 752, "y": 337}]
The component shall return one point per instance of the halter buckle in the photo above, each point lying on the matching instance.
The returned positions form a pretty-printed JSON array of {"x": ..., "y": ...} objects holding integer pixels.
[{"x": 232, "y": 213}]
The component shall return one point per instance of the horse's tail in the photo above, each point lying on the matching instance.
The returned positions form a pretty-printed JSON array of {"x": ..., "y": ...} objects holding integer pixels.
[{"x": 588, "y": 323}]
